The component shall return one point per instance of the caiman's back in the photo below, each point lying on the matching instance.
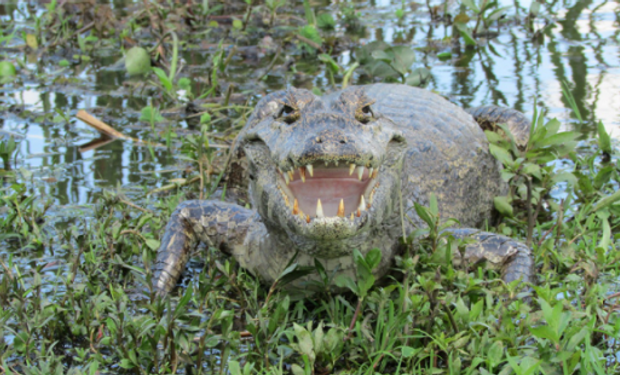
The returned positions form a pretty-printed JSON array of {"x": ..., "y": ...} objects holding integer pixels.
[{"x": 448, "y": 153}]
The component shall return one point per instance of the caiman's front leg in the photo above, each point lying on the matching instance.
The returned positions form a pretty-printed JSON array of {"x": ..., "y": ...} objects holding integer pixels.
[
  {"x": 513, "y": 258},
  {"x": 217, "y": 224}
]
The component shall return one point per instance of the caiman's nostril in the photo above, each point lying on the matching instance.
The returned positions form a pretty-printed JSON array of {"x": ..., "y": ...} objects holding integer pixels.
[
  {"x": 342, "y": 141},
  {"x": 319, "y": 140}
]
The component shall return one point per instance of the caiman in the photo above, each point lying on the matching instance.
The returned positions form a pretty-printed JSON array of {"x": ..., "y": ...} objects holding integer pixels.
[{"x": 331, "y": 174}]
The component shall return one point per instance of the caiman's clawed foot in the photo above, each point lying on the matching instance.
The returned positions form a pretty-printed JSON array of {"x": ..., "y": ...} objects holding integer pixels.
[
  {"x": 217, "y": 224},
  {"x": 513, "y": 258}
]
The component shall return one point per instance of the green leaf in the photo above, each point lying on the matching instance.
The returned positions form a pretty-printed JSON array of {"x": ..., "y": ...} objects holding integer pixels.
[
  {"x": 234, "y": 368},
  {"x": 503, "y": 206},
  {"x": 532, "y": 170},
  {"x": 163, "y": 78},
  {"x": 424, "y": 215},
  {"x": 373, "y": 258},
  {"x": 409, "y": 352},
  {"x": 325, "y": 21},
  {"x": 304, "y": 339},
  {"x": 185, "y": 83},
  {"x": 577, "y": 339},
  {"x": 404, "y": 57},
  {"x": 557, "y": 139},
  {"x": 345, "y": 281},
  {"x": 496, "y": 353},
  {"x": 297, "y": 370},
  {"x": 471, "y": 5},
  {"x": 568, "y": 177},
  {"x": 604, "y": 141},
  {"x": 501, "y": 154},
  {"x": 466, "y": 34},
  {"x": 382, "y": 56},
  {"x": 137, "y": 61},
  {"x": 153, "y": 244},
  {"x": 330, "y": 62},
  {"x": 419, "y": 77}
]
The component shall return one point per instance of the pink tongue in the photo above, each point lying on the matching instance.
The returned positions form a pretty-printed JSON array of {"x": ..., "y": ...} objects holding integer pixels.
[{"x": 330, "y": 191}]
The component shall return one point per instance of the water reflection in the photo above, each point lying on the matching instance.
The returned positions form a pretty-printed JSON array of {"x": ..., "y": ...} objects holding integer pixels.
[{"x": 510, "y": 70}]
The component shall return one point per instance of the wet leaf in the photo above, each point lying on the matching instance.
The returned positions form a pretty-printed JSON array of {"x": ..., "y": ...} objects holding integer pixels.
[
  {"x": 404, "y": 57},
  {"x": 420, "y": 77},
  {"x": 466, "y": 34},
  {"x": 137, "y": 61},
  {"x": 330, "y": 62}
]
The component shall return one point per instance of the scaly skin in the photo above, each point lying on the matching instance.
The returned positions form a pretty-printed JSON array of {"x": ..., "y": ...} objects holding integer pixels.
[{"x": 407, "y": 143}]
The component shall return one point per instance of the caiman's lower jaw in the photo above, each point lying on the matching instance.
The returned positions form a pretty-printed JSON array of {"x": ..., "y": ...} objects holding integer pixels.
[{"x": 320, "y": 193}]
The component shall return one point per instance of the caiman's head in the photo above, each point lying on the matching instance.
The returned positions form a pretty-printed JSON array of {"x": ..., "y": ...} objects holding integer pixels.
[{"x": 322, "y": 168}]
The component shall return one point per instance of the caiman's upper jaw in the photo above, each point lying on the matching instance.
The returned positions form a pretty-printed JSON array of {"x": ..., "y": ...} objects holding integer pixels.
[{"x": 318, "y": 191}]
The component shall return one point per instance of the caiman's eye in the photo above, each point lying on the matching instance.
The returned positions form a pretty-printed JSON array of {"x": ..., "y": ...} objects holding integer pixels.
[
  {"x": 365, "y": 114},
  {"x": 287, "y": 109},
  {"x": 288, "y": 114}
]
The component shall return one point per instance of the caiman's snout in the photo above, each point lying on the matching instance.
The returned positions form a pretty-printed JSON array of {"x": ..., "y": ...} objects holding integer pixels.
[{"x": 328, "y": 144}]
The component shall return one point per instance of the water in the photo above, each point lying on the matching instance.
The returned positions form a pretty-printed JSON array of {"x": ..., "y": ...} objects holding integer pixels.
[{"x": 511, "y": 70}]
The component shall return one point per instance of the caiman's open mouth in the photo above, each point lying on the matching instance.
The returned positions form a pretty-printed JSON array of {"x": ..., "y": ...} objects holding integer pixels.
[{"x": 318, "y": 191}]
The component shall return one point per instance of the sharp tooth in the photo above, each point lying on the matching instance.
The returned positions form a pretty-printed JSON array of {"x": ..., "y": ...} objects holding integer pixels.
[
  {"x": 309, "y": 169},
  {"x": 308, "y": 219},
  {"x": 295, "y": 207},
  {"x": 351, "y": 169},
  {"x": 319, "y": 209},
  {"x": 372, "y": 193},
  {"x": 286, "y": 179},
  {"x": 291, "y": 176},
  {"x": 362, "y": 204},
  {"x": 370, "y": 171},
  {"x": 374, "y": 173},
  {"x": 302, "y": 173},
  {"x": 358, "y": 213},
  {"x": 360, "y": 172},
  {"x": 288, "y": 203},
  {"x": 301, "y": 215},
  {"x": 341, "y": 208},
  {"x": 336, "y": 163},
  {"x": 352, "y": 217}
]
